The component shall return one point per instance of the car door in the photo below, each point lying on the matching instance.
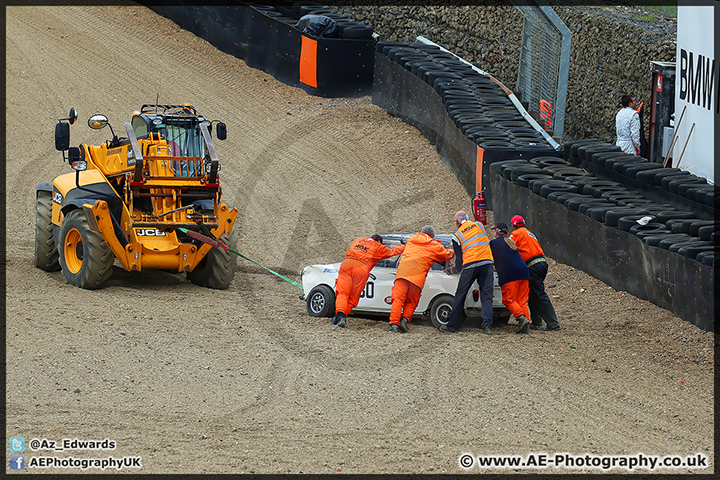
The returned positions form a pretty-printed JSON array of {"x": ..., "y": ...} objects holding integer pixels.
[{"x": 376, "y": 295}]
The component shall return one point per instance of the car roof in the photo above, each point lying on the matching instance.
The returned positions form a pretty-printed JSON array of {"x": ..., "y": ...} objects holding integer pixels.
[{"x": 396, "y": 238}]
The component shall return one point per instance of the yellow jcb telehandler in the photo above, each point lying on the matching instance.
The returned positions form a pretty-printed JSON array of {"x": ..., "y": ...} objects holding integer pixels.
[{"x": 134, "y": 199}]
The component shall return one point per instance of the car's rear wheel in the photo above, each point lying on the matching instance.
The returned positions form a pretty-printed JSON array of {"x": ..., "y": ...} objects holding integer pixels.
[
  {"x": 321, "y": 301},
  {"x": 440, "y": 310},
  {"x": 501, "y": 316}
]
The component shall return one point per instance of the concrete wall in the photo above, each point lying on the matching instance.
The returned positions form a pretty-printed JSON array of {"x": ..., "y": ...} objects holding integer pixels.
[{"x": 611, "y": 50}]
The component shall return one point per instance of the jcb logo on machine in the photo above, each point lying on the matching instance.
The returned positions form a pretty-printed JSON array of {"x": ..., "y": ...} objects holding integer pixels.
[
  {"x": 57, "y": 197},
  {"x": 149, "y": 232}
]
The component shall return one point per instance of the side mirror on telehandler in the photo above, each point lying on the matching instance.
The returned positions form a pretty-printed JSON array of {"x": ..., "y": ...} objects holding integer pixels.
[
  {"x": 62, "y": 130},
  {"x": 62, "y": 136},
  {"x": 221, "y": 131}
]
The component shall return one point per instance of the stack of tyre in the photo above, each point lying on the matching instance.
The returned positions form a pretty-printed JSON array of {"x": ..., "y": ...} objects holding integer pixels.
[
  {"x": 476, "y": 104},
  {"x": 665, "y": 207},
  {"x": 291, "y": 12}
]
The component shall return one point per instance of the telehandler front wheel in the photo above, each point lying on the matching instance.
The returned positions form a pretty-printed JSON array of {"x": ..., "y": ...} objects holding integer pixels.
[
  {"x": 85, "y": 258},
  {"x": 46, "y": 252},
  {"x": 217, "y": 269}
]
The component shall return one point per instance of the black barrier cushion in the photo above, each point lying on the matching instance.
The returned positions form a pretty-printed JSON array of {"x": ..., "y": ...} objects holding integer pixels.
[
  {"x": 698, "y": 194},
  {"x": 694, "y": 250},
  {"x": 560, "y": 197},
  {"x": 598, "y": 203},
  {"x": 623, "y": 195},
  {"x": 664, "y": 216},
  {"x": 673, "y": 239},
  {"x": 598, "y": 212},
  {"x": 649, "y": 175},
  {"x": 683, "y": 188},
  {"x": 612, "y": 217},
  {"x": 695, "y": 226},
  {"x": 612, "y": 193},
  {"x": 664, "y": 173},
  {"x": 589, "y": 187},
  {"x": 654, "y": 240},
  {"x": 567, "y": 146},
  {"x": 551, "y": 187},
  {"x": 548, "y": 161},
  {"x": 665, "y": 181},
  {"x": 627, "y": 222},
  {"x": 575, "y": 203},
  {"x": 524, "y": 180},
  {"x": 564, "y": 168},
  {"x": 537, "y": 184},
  {"x": 675, "y": 185},
  {"x": 587, "y": 152},
  {"x": 574, "y": 177},
  {"x": 639, "y": 202},
  {"x": 680, "y": 225},
  {"x": 634, "y": 171},
  {"x": 598, "y": 191},
  {"x": 621, "y": 166},
  {"x": 710, "y": 259},
  {"x": 656, "y": 230},
  {"x": 572, "y": 196},
  {"x": 600, "y": 157},
  {"x": 621, "y": 160},
  {"x": 706, "y": 232},
  {"x": 576, "y": 145},
  {"x": 499, "y": 167},
  {"x": 512, "y": 173},
  {"x": 691, "y": 243}
]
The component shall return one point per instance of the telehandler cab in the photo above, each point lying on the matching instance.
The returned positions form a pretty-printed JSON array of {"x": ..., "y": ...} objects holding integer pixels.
[{"x": 131, "y": 197}]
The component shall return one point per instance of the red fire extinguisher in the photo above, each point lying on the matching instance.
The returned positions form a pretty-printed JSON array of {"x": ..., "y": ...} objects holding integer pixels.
[{"x": 479, "y": 208}]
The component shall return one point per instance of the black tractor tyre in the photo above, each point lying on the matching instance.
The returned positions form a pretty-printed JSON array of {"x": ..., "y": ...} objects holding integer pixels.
[
  {"x": 321, "y": 301},
  {"x": 217, "y": 269},
  {"x": 440, "y": 310},
  {"x": 46, "y": 252},
  {"x": 85, "y": 258}
]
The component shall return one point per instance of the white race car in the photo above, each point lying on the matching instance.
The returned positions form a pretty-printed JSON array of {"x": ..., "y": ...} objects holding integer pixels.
[{"x": 435, "y": 301}]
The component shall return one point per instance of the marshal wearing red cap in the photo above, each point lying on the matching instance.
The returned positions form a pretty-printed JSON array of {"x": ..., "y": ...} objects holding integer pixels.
[{"x": 541, "y": 307}]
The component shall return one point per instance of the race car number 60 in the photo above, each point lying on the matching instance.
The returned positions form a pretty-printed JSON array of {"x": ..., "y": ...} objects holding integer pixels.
[{"x": 369, "y": 291}]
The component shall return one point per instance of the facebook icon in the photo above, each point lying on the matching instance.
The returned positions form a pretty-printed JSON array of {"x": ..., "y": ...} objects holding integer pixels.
[{"x": 17, "y": 462}]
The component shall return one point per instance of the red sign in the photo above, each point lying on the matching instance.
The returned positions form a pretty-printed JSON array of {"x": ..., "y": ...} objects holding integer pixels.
[
  {"x": 546, "y": 113},
  {"x": 659, "y": 82}
]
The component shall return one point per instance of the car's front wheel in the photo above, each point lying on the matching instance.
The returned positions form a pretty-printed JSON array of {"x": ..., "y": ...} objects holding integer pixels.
[
  {"x": 440, "y": 310},
  {"x": 321, "y": 301}
]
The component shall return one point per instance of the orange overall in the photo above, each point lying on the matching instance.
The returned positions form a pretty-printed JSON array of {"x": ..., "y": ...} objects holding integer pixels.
[
  {"x": 515, "y": 297},
  {"x": 420, "y": 254},
  {"x": 360, "y": 258}
]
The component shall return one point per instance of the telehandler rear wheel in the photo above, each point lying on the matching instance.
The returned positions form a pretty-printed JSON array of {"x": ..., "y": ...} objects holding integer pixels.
[
  {"x": 217, "y": 269},
  {"x": 46, "y": 252},
  {"x": 85, "y": 258}
]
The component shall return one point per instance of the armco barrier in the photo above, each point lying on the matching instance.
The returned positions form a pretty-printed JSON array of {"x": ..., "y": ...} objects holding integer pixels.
[
  {"x": 465, "y": 115},
  {"x": 678, "y": 275},
  {"x": 266, "y": 38}
]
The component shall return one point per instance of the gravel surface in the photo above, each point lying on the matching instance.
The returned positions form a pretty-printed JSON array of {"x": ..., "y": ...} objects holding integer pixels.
[{"x": 244, "y": 381}]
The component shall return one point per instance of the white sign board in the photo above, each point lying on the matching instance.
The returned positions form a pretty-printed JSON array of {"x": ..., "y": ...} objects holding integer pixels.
[{"x": 696, "y": 90}]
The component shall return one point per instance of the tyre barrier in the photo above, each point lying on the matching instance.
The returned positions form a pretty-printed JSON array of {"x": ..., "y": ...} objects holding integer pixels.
[
  {"x": 465, "y": 114},
  {"x": 266, "y": 37}
]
